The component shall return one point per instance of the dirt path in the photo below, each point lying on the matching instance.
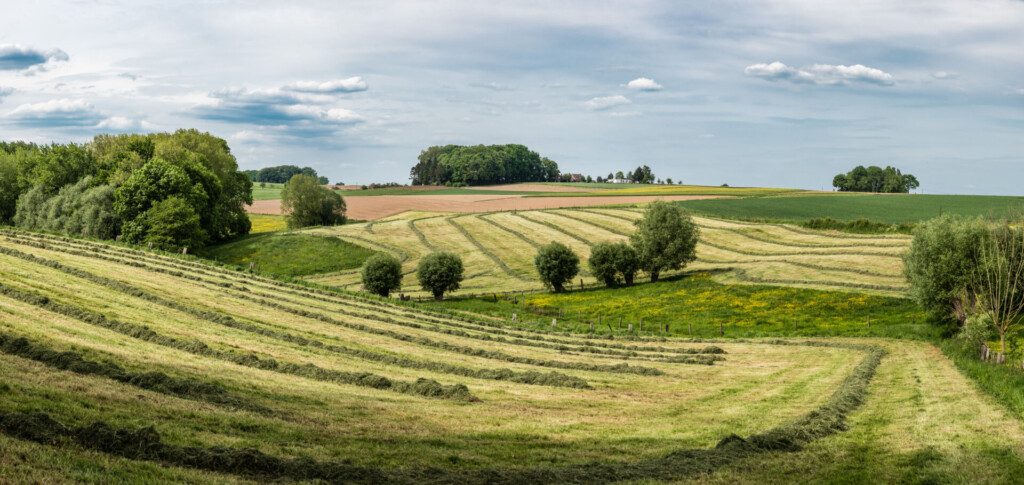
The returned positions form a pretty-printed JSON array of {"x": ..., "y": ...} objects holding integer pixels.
[{"x": 377, "y": 207}]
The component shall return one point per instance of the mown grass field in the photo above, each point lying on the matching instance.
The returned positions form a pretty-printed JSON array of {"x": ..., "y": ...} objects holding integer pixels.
[
  {"x": 885, "y": 208},
  {"x": 289, "y": 253},
  {"x": 260, "y": 381},
  {"x": 498, "y": 249}
]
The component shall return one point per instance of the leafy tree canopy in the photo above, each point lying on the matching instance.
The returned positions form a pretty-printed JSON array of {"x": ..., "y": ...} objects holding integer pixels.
[
  {"x": 307, "y": 203},
  {"x": 439, "y": 273},
  {"x": 875, "y": 179},
  {"x": 382, "y": 274},
  {"x": 557, "y": 265},
  {"x": 139, "y": 172},
  {"x": 666, "y": 238},
  {"x": 481, "y": 165}
]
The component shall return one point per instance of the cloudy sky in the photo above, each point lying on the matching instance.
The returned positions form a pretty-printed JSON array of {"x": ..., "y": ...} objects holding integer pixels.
[{"x": 784, "y": 93}]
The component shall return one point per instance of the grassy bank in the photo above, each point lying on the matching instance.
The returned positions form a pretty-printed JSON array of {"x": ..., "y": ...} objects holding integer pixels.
[{"x": 290, "y": 254}]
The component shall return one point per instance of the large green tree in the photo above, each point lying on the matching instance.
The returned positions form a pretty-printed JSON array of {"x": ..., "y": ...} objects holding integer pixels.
[
  {"x": 665, "y": 239},
  {"x": 382, "y": 274},
  {"x": 557, "y": 265},
  {"x": 307, "y": 203},
  {"x": 439, "y": 273},
  {"x": 941, "y": 263},
  {"x": 77, "y": 209}
]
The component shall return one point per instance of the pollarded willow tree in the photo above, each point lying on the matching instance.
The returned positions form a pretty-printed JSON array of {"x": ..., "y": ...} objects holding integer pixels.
[
  {"x": 665, "y": 238},
  {"x": 999, "y": 280}
]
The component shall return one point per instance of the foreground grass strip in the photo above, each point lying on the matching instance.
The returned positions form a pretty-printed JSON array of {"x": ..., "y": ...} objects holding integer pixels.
[
  {"x": 535, "y": 338},
  {"x": 557, "y": 379},
  {"x": 190, "y": 388},
  {"x": 475, "y": 352},
  {"x": 146, "y": 444},
  {"x": 421, "y": 387}
]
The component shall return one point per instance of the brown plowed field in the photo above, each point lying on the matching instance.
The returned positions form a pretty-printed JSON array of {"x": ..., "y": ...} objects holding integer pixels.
[{"x": 377, "y": 207}]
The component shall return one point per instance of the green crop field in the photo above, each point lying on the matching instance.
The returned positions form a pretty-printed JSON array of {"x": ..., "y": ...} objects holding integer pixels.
[
  {"x": 498, "y": 249},
  {"x": 126, "y": 365},
  {"x": 885, "y": 208},
  {"x": 290, "y": 254}
]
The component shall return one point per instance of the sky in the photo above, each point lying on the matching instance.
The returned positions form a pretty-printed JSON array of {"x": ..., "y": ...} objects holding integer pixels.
[{"x": 759, "y": 93}]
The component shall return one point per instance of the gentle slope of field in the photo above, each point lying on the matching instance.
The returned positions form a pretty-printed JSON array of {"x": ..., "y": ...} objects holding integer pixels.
[
  {"x": 498, "y": 249},
  {"x": 263, "y": 381}
]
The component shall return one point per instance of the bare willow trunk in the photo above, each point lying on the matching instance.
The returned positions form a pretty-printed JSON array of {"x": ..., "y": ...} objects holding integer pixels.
[{"x": 1000, "y": 280}]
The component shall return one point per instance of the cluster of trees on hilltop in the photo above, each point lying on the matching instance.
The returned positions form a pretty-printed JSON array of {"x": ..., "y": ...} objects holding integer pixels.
[
  {"x": 875, "y": 179},
  {"x": 282, "y": 174},
  {"x": 481, "y": 165},
  {"x": 169, "y": 189}
]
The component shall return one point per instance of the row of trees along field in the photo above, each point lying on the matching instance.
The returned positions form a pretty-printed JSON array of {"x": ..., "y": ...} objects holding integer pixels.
[
  {"x": 481, "y": 165},
  {"x": 166, "y": 189},
  {"x": 875, "y": 179},
  {"x": 665, "y": 239},
  {"x": 280, "y": 174}
]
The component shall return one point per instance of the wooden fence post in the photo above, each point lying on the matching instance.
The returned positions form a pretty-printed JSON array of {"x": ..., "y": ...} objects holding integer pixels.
[
  {"x": 630, "y": 328},
  {"x": 689, "y": 326},
  {"x": 721, "y": 328}
]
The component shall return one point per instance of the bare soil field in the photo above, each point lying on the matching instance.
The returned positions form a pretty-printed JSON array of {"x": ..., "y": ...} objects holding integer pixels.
[{"x": 372, "y": 208}]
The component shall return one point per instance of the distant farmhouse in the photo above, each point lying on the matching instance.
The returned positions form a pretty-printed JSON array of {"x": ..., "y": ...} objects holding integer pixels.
[{"x": 619, "y": 181}]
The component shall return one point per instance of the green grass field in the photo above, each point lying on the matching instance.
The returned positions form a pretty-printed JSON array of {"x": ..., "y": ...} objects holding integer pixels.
[
  {"x": 125, "y": 365},
  {"x": 697, "y": 306},
  {"x": 889, "y": 208},
  {"x": 290, "y": 253}
]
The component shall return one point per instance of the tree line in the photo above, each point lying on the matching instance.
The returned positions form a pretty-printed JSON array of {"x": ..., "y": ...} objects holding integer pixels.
[
  {"x": 280, "y": 174},
  {"x": 482, "y": 165},
  {"x": 166, "y": 189},
  {"x": 875, "y": 179}
]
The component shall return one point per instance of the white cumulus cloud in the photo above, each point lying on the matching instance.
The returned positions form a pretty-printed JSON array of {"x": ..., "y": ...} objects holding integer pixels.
[
  {"x": 606, "y": 102},
  {"x": 644, "y": 84},
  {"x": 824, "y": 74},
  {"x": 124, "y": 124},
  {"x": 57, "y": 112},
  {"x": 349, "y": 85}
]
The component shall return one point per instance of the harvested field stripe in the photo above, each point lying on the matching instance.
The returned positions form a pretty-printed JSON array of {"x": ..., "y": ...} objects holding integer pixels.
[
  {"x": 521, "y": 236},
  {"x": 793, "y": 253},
  {"x": 566, "y": 214},
  {"x": 486, "y": 252},
  {"x": 69, "y": 360},
  {"x": 795, "y": 244},
  {"x": 742, "y": 275},
  {"x": 844, "y": 269},
  {"x": 419, "y": 235},
  {"x": 555, "y": 227},
  {"x": 422, "y": 387}
]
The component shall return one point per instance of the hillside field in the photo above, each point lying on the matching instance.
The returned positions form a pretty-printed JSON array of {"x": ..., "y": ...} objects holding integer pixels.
[
  {"x": 307, "y": 384},
  {"x": 885, "y": 208},
  {"x": 498, "y": 249}
]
